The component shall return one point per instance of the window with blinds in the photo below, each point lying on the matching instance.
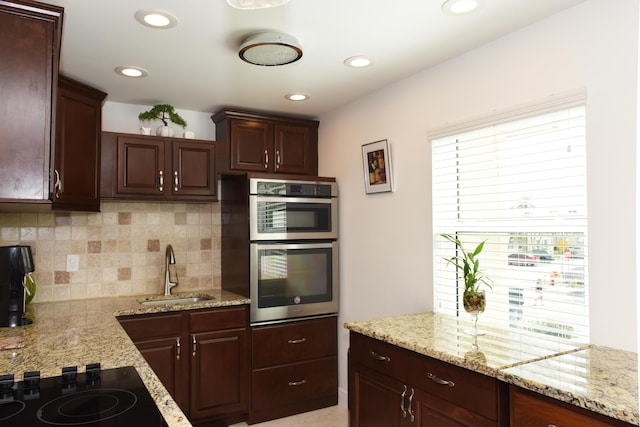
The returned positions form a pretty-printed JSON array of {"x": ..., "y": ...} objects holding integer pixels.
[{"x": 519, "y": 184}]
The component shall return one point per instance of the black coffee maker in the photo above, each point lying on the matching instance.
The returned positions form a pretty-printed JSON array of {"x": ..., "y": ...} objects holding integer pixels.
[{"x": 16, "y": 262}]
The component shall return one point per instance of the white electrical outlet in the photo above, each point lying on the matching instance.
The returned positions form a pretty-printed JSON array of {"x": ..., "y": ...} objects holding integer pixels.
[{"x": 72, "y": 262}]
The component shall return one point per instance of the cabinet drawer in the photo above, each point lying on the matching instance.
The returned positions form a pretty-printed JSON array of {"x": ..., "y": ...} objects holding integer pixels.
[
  {"x": 380, "y": 356},
  {"x": 529, "y": 409},
  {"x": 146, "y": 327},
  {"x": 292, "y": 342},
  {"x": 470, "y": 390},
  {"x": 218, "y": 318},
  {"x": 293, "y": 383},
  {"x": 462, "y": 387}
]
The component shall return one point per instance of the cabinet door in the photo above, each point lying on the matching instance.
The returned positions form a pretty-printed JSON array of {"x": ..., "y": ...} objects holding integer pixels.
[
  {"x": 531, "y": 410},
  {"x": 140, "y": 166},
  {"x": 430, "y": 410},
  {"x": 29, "y": 51},
  {"x": 193, "y": 172},
  {"x": 77, "y": 147},
  {"x": 251, "y": 145},
  {"x": 375, "y": 400},
  {"x": 219, "y": 373},
  {"x": 165, "y": 356},
  {"x": 293, "y": 149}
]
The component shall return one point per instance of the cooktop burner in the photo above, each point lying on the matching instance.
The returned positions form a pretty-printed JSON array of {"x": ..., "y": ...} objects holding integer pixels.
[{"x": 100, "y": 398}]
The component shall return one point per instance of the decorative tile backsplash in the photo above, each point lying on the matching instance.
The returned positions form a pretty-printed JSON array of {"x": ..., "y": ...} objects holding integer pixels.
[{"x": 121, "y": 249}]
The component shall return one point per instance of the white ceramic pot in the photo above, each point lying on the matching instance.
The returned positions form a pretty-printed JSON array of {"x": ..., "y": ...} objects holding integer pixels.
[{"x": 165, "y": 131}]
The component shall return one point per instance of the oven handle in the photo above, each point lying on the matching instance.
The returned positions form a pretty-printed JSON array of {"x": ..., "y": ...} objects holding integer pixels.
[{"x": 294, "y": 200}]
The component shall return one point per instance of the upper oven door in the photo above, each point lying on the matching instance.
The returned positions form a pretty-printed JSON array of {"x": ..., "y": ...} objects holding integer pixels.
[{"x": 292, "y": 218}]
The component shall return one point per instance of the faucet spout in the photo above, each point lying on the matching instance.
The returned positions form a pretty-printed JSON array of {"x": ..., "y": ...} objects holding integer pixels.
[{"x": 169, "y": 259}]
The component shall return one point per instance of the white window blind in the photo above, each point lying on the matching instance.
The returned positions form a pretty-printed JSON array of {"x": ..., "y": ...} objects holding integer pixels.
[{"x": 521, "y": 186}]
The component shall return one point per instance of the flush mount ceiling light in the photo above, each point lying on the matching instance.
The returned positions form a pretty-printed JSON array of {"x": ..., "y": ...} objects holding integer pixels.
[
  {"x": 255, "y": 4},
  {"x": 459, "y": 7},
  {"x": 297, "y": 96},
  {"x": 357, "y": 61},
  {"x": 131, "y": 71},
  {"x": 156, "y": 18},
  {"x": 270, "y": 49}
]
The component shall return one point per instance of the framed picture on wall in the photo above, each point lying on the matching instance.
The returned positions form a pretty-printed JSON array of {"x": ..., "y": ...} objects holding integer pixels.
[{"x": 376, "y": 162}]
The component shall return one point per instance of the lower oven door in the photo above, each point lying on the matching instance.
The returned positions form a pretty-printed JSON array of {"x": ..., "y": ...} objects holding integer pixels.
[{"x": 292, "y": 280}]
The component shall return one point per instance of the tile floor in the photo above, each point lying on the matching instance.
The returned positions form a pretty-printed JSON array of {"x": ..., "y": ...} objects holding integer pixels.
[{"x": 335, "y": 416}]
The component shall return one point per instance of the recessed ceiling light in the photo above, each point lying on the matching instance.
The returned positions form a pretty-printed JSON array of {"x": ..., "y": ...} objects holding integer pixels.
[
  {"x": 255, "y": 4},
  {"x": 459, "y": 7},
  {"x": 297, "y": 96},
  {"x": 156, "y": 19},
  {"x": 358, "y": 61},
  {"x": 131, "y": 71}
]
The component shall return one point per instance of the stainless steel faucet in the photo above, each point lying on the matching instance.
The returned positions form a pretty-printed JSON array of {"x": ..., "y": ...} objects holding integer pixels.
[{"x": 169, "y": 259}]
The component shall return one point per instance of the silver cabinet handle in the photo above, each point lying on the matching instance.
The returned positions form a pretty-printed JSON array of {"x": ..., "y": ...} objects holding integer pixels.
[
  {"x": 379, "y": 357},
  {"x": 178, "y": 348},
  {"x": 175, "y": 181},
  {"x": 277, "y": 159},
  {"x": 440, "y": 381},
  {"x": 194, "y": 346},
  {"x": 404, "y": 393},
  {"x": 297, "y": 341},
  {"x": 161, "y": 180},
  {"x": 297, "y": 383},
  {"x": 57, "y": 186},
  {"x": 411, "y": 413},
  {"x": 266, "y": 159}
]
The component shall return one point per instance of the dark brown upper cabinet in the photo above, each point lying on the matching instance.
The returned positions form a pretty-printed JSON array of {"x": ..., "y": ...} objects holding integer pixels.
[
  {"x": 30, "y": 34},
  {"x": 76, "y": 172},
  {"x": 256, "y": 142},
  {"x": 136, "y": 167}
]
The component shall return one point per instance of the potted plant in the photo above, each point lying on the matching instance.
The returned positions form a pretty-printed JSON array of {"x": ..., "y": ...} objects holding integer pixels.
[
  {"x": 468, "y": 265},
  {"x": 163, "y": 112}
]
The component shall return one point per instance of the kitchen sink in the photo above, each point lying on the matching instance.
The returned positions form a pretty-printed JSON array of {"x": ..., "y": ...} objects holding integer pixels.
[{"x": 176, "y": 300}]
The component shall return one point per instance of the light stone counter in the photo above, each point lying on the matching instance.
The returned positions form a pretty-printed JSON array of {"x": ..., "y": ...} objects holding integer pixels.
[
  {"x": 592, "y": 378},
  {"x": 600, "y": 379},
  {"x": 79, "y": 332}
]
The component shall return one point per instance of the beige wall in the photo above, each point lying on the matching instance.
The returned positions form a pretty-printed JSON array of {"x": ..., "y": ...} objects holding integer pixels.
[{"x": 121, "y": 249}]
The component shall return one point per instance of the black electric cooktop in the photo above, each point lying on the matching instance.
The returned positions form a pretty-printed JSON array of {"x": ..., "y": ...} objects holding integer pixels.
[{"x": 99, "y": 398}]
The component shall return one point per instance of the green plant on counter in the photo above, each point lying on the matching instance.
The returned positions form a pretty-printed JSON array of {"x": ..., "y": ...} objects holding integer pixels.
[
  {"x": 162, "y": 112},
  {"x": 469, "y": 266}
]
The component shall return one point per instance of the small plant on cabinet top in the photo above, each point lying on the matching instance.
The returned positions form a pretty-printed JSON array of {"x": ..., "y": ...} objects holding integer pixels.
[
  {"x": 162, "y": 112},
  {"x": 469, "y": 266}
]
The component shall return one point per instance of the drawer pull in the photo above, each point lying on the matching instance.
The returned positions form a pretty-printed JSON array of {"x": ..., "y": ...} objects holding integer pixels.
[
  {"x": 411, "y": 413},
  {"x": 297, "y": 341},
  {"x": 404, "y": 393},
  {"x": 440, "y": 381},
  {"x": 379, "y": 357},
  {"x": 297, "y": 383}
]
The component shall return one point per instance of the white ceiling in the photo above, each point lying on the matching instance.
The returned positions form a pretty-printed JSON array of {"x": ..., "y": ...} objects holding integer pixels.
[{"x": 195, "y": 65}]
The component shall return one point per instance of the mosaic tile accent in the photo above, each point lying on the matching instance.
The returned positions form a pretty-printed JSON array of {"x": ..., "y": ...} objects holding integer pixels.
[{"x": 121, "y": 249}]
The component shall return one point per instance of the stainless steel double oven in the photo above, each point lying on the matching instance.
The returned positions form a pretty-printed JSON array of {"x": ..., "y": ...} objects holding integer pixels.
[{"x": 293, "y": 248}]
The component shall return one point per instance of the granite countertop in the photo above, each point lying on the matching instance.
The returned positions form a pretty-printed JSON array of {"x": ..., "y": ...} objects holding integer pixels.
[
  {"x": 599, "y": 379},
  {"x": 79, "y": 332}
]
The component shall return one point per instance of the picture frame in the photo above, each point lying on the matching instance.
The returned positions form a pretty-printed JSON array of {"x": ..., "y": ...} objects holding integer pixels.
[{"x": 376, "y": 162}]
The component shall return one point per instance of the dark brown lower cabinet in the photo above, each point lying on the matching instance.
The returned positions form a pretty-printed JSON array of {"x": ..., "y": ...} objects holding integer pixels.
[
  {"x": 530, "y": 409},
  {"x": 294, "y": 368},
  {"x": 201, "y": 357},
  {"x": 393, "y": 387}
]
